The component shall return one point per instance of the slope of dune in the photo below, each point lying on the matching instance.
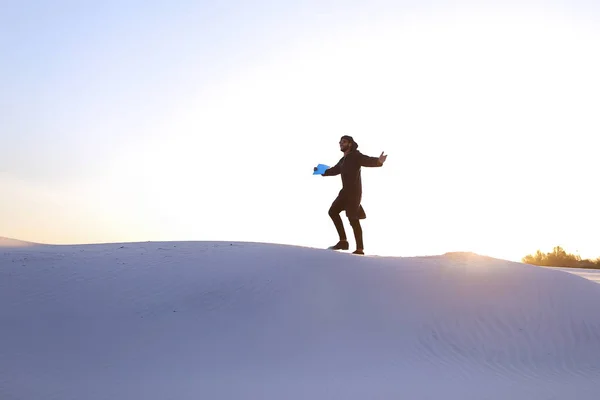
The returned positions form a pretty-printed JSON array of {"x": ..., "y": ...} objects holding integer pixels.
[
  {"x": 215, "y": 320},
  {"x": 9, "y": 242},
  {"x": 591, "y": 274}
]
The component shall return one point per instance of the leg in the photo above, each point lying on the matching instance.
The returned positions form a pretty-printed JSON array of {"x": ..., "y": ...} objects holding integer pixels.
[
  {"x": 355, "y": 223},
  {"x": 334, "y": 212}
]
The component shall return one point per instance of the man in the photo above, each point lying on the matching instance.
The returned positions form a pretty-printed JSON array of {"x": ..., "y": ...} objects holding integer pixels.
[{"x": 349, "y": 198}]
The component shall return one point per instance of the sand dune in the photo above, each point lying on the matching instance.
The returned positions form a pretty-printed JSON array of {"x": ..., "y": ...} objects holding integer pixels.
[
  {"x": 591, "y": 274},
  {"x": 213, "y": 320},
  {"x": 8, "y": 242}
]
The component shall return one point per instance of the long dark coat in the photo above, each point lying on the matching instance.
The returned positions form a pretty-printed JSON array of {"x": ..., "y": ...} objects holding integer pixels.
[{"x": 350, "y": 196}]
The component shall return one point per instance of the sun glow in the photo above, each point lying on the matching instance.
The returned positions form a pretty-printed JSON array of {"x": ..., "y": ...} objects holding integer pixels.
[{"x": 486, "y": 117}]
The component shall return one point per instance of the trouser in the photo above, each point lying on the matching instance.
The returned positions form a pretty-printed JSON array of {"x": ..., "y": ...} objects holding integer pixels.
[{"x": 339, "y": 205}]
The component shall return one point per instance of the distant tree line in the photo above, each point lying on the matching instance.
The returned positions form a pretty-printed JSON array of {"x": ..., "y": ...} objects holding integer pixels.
[{"x": 558, "y": 257}]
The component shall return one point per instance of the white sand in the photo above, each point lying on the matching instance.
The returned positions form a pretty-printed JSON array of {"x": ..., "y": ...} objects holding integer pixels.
[
  {"x": 8, "y": 242},
  {"x": 591, "y": 274},
  {"x": 204, "y": 320}
]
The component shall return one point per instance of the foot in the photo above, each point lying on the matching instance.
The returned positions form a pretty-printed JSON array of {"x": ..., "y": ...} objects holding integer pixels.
[
  {"x": 341, "y": 245},
  {"x": 359, "y": 251}
]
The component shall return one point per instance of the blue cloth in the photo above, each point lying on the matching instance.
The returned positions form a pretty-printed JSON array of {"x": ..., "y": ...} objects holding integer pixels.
[{"x": 321, "y": 168}]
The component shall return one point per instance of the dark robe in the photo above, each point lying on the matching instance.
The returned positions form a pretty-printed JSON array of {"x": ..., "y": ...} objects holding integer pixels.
[{"x": 349, "y": 167}]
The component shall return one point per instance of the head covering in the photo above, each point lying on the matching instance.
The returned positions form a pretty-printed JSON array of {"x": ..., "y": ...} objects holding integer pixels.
[{"x": 351, "y": 140}]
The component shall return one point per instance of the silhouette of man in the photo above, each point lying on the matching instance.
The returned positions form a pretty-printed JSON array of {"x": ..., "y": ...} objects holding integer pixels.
[{"x": 349, "y": 197}]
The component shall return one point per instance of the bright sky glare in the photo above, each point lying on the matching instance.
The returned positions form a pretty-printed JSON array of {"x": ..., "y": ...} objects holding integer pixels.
[{"x": 203, "y": 121}]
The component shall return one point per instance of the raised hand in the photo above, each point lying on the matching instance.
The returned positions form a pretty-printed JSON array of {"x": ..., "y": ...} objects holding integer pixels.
[{"x": 382, "y": 158}]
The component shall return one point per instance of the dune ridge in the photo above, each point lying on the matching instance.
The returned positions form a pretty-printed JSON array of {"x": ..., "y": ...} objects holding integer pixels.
[
  {"x": 225, "y": 320},
  {"x": 9, "y": 242}
]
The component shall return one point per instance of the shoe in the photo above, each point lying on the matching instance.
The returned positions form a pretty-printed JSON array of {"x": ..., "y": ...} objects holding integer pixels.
[
  {"x": 359, "y": 251},
  {"x": 341, "y": 245}
]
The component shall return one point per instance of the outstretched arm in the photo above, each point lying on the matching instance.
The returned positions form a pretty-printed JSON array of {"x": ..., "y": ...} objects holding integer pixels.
[
  {"x": 366, "y": 161},
  {"x": 333, "y": 171}
]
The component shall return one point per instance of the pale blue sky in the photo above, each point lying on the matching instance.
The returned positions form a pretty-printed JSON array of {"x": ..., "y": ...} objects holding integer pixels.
[
  {"x": 82, "y": 75},
  {"x": 160, "y": 121}
]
